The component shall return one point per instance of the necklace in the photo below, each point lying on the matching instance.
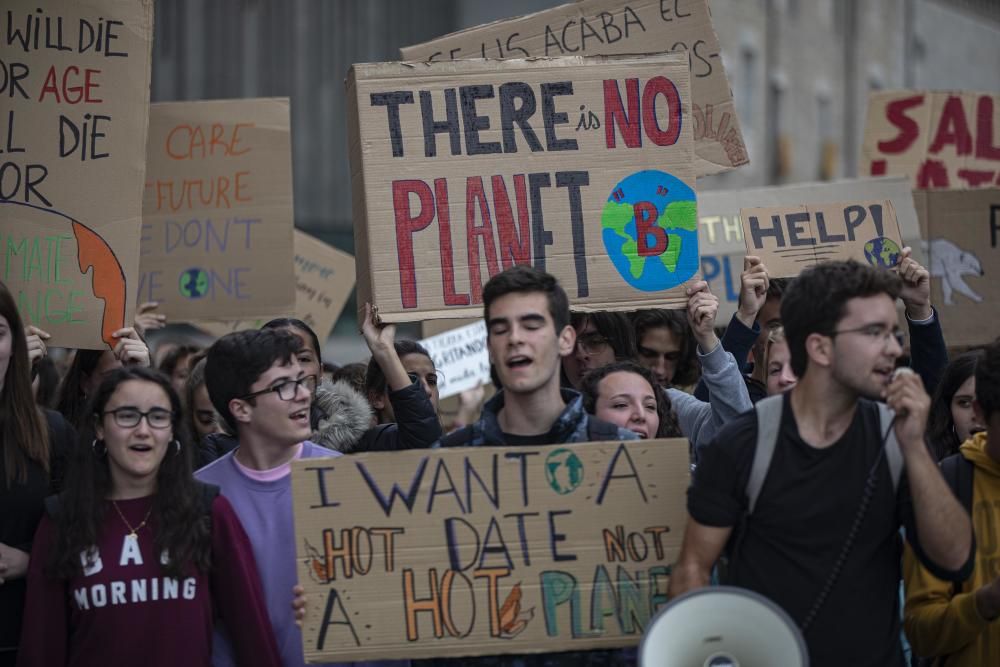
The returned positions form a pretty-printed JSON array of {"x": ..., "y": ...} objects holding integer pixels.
[{"x": 132, "y": 531}]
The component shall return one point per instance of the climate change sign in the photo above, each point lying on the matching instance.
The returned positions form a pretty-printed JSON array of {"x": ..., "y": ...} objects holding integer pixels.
[
  {"x": 578, "y": 166},
  {"x": 74, "y": 79},
  {"x": 487, "y": 550}
]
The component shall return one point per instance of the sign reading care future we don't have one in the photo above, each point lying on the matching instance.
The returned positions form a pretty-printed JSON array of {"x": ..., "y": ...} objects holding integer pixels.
[
  {"x": 486, "y": 550},
  {"x": 462, "y": 169},
  {"x": 217, "y": 214},
  {"x": 74, "y": 79}
]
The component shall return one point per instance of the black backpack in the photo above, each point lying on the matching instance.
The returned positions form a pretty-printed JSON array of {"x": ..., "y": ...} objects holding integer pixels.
[{"x": 957, "y": 471}]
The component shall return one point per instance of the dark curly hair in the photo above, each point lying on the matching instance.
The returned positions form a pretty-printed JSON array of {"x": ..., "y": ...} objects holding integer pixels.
[
  {"x": 183, "y": 529},
  {"x": 688, "y": 369},
  {"x": 816, "y": 300},
  {"x": 613, "y": 326},
  {"x": 590, "y": 384}
]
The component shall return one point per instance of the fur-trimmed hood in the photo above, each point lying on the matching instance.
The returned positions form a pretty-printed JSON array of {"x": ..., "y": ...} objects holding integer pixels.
[{"x": 343, "y": 416}]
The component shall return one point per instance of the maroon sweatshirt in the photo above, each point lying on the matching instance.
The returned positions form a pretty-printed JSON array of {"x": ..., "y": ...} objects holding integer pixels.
[{"x": 123, "y": 609}]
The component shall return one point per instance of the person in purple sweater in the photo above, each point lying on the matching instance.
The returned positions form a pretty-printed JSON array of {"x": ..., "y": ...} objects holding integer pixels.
[
  {"x": 262, "y": 392},
  {"x": 133, "y": 562}
]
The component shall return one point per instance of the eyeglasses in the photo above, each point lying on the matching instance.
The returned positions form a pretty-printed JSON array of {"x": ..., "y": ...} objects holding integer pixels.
[
  {"x": 286, "y": 390},
  {"x": 126, "y": 417},
  {"x": 592, "y": 343},
  {"x": 876, "y": 332}
]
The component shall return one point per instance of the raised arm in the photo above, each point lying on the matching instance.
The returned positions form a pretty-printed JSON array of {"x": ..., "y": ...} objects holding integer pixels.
[
  {"x": 943, "y": 531},
  {"x": 728, "y": 394},
  {"x": 743, "y": 330},
  {"x": 928, "y": 352}
]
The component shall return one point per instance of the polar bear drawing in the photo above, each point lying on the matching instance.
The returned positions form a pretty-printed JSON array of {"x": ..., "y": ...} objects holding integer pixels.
[{"x": 950, "y": 263}]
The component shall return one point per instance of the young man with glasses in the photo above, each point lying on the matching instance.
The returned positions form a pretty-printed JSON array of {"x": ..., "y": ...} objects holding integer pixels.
[
  {"x": 823, "y": 537},
  {"x": 601, "y": 338},
  {"x": 261, "y": 391}
]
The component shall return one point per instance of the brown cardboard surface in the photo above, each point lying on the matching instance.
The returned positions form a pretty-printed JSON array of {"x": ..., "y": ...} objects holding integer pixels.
[
  {"x": 720, "y": 229},
  {"x": 791, "y": 238},
  {"x": 75, "y": 78},
  {"x": 217, "y": 213},
  {"x": 324, "y": 278},
  {"x": 963, "y": 238},
  {"x": 939, "y": 139},
  {"x": 484, "y": 550},
  {"x": 612, "y": 27},
  {"x": 433, "y": 223}
]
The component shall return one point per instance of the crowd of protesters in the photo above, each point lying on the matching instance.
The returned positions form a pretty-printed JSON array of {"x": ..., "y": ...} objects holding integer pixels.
[{"x": 146, "y": 502}]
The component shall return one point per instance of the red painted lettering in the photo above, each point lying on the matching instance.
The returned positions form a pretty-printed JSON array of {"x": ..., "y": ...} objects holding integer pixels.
[
  {"x": 515, "y": 246},
  {"x": 475, "y": 194},
  {"x": 895, "y": 113},
  {"x": 953, "y": 128},
  {"x": 932, "y": 174},
  {"x": 68, "y": 92},
  {"x": 985, "y": 150},
  {"x": 451, "y": 297},
  {"x": 629, "y": 123},
  {"x": 406, "y": 225},
  {"x": 645, "y": 224},
  {"x": 661, "y": 86}
]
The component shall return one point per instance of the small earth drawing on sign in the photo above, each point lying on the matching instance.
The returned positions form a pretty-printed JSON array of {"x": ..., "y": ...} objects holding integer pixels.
[
  {"x": 563, "y": 470},
  {"x": 882, "y": 252},
  {"x": 193, "y": 283},
  {"x": 650, "y": 230}
]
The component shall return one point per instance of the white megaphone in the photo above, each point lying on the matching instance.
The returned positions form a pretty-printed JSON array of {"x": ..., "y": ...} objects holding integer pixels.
[{"x": 722, "y": 626}]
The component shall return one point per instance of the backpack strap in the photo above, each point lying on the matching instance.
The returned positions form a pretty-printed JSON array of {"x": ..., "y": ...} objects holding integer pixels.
[
  {"x": 768, "y": 425},
  {"x": 893, "y": 454},
  {"x": 600, "y": 431},
  {"x": 958, "y": 472}
]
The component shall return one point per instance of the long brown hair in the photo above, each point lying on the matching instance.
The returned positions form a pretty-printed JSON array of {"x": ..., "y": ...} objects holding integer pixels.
[
  {"x": 183, "y": 528},
  {"x": 25, "y": 436}
]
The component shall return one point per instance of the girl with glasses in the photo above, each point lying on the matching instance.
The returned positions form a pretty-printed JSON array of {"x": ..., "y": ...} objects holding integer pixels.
[{"x": 135, "y": 559}]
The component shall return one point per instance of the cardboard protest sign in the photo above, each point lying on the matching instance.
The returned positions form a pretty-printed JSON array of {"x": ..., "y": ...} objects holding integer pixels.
[
  {"x": 963, "y": 242},
  {"x": 473, "y": 551},
  {"x": 938, "y": 139},
  {"x": 613, "y": 27},
  {"x": 611, "y": 212},
  {"x": 324, "y": 278},
  {"x": 217, "y": 214},
  {"x": 74, "y": 76},
  {"x": 460, "y": 357},
  {"x": 720, "y": 229},
  {"x": 790, "y": 239}
]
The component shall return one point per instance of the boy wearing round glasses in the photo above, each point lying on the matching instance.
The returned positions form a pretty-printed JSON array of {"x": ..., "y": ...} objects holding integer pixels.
[{"x": 261, "y": 391}]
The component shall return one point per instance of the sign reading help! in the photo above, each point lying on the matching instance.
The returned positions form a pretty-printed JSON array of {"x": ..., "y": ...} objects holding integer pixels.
[
  {"x": 791, "y": 238},
  {"x": 581, "y": 167},
  {"x": 486, "y": 550}
]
